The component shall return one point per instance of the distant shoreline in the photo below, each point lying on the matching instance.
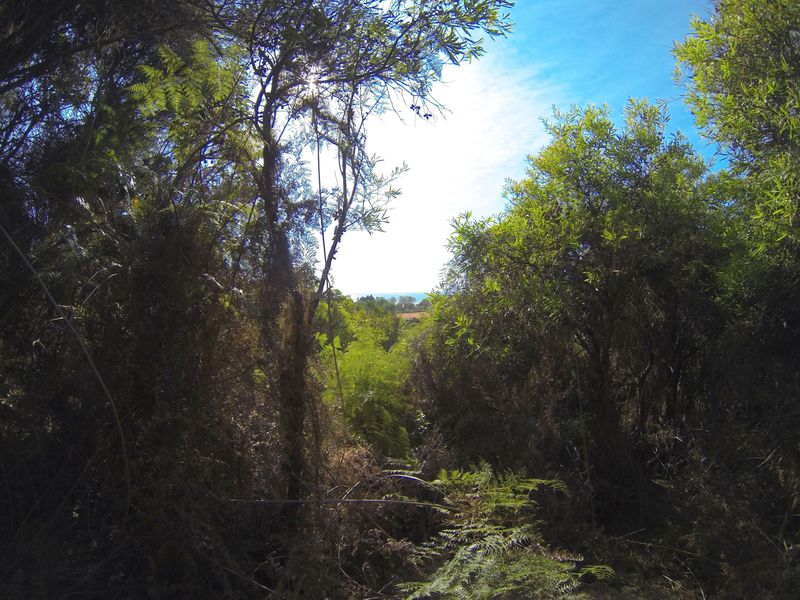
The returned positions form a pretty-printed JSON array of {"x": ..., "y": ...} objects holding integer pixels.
[{"x": 418, "y": 296}]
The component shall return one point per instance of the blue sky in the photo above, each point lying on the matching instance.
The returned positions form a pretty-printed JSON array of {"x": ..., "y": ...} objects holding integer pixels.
[
  {"x": 561, "y": 53},
  {"x": 607, "y": 52}
]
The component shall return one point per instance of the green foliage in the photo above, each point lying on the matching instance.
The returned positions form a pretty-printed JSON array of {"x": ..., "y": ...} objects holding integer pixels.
[
  {"x": 185, "y": 86},
  {"x": 606, "y": 253},
  {"x": 197, "y": 94},
  {"x": 490, "y": 546},
  {"x": 743, "y": 68},
  {"x": 167, "y": 207},
  {"x": 374, "y": 385},
  {"x": 380, "y": 314},
  {"x": 744, "y": 75},
  {"x": 744, "y": 86},
  {"x": 152, "y": 172},
  {"x": 628, "y": 299}
]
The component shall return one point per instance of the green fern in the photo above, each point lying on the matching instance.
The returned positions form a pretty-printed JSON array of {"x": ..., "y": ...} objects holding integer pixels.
[
  {"x": 373, "y": 381},
  {"x": 491, "y": 547},
  {"x": 188, "y": 87}
]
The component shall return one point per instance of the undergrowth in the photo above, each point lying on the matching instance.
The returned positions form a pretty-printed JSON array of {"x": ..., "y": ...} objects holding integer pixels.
[{"x": 490, "y": 545}]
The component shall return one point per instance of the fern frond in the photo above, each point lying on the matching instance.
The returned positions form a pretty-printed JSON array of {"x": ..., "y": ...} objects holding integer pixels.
[
  {"x": 139, "y": 91},
  {"x": 170, "y": 59},
  {"x": 491, "y": 547},
  {"x": 151, "y": 73},
  {"x": 599, "y": 572}
]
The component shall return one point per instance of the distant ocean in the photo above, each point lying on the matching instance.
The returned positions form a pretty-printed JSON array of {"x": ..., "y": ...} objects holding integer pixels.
[{"x": 418, "y": 296}]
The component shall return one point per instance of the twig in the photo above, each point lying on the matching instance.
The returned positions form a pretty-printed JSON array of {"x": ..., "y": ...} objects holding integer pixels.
[
  {"x": 672, "y": 549},
  {"x": 336, "y": 501}
]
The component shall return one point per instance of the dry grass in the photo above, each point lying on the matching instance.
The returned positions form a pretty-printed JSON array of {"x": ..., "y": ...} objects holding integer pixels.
[{"x": 407, "y": 316}]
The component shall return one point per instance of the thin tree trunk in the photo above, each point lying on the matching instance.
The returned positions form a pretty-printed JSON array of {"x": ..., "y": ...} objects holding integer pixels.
[
  {"x": 292, "y": 397},
  {"x": 284, "y": 328}
]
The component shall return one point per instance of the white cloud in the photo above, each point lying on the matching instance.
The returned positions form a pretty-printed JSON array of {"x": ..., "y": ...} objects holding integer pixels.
[{"x": 457, "y": 163}]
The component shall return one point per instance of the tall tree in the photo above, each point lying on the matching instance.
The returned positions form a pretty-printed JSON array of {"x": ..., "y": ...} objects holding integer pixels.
[
  {"x": 327, "y": 66},
  {"x": 586, "y": 302},
  {"x": 743, "y": 78}
]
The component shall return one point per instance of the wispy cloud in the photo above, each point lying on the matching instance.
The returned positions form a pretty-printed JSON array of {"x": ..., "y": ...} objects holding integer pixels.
[{"x": 457, "y": 163}]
